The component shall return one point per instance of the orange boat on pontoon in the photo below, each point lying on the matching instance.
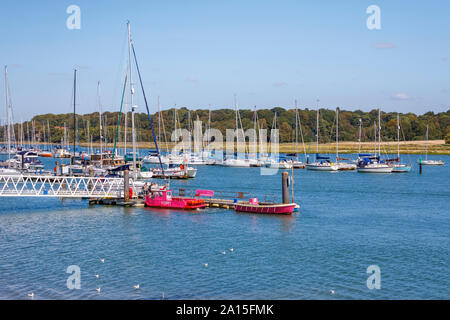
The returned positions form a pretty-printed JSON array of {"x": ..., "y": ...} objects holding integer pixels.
[{"x": 45, "y": 154}]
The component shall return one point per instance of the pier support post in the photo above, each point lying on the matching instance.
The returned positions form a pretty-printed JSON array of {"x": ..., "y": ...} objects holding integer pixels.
[
  {"x": 420, "y": 166},
  {"x": 126, "y": 185},
  {"x": 285, "y": 187}
]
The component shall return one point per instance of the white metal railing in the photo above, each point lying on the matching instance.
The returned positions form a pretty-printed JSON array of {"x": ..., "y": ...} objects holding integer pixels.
[{"x": 62, "y": 186}]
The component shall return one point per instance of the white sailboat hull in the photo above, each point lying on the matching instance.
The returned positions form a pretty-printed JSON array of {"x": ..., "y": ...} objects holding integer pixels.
[
  {"x": 375, "y": 169},
  {"x": 400, "y": 168},
  {"x": 321, "y": 167},
  {"x": 431, "y": 162},
  {"x": 346, "y": 166},
  {"x": 237, "y": 163}
]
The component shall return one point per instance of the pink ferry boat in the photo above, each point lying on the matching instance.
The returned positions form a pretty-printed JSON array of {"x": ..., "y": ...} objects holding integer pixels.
[
  {"x": 254, "y": 207},
  {"x": 163, "y": 199}
]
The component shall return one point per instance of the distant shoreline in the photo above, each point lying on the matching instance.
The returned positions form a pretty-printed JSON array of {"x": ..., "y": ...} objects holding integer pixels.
[{"x": 435, "y": 147}]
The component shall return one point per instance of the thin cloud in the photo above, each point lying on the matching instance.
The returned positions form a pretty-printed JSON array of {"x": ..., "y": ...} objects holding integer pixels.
[
  {"x": 384, "y": 45},
  {"x": 400, "y": 96},
  {"x": 192, "y": 80},
  {"x": 280, "y": 84}
]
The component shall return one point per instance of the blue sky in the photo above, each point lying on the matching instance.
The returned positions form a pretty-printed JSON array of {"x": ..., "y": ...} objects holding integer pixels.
[{"x": 196, "y": 53}]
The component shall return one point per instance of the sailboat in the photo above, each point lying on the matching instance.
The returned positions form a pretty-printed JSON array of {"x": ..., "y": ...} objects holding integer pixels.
[
  {"x": 152, "y": 157},
  {"x": 236, "y": 162},
  {"x": 342, "y": 166},
  {"x": 281, "y": 164},
  {"x": 322, "y": 163},
  {"x": 373, "y": 163},
  {"x": 399, "y": 167},
  {"x": 429, "y": 162},
  {"x": 296, "y": 163},
  {"x": 10, "y": 150}
]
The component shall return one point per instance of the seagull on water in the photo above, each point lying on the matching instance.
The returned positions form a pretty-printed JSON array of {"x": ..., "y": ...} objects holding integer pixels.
[
  {"x": 31, "y": 295},
  {"x": 231, "y": 249},
  {"x": 98, "y": 289},
  {"x": 102, "y": 260},
  {"x": 206, "y": 265},
  {"x": 136, "y": 286},
  {"x": 332, "y": 291},
  {"x": 97, "y": 276},
  {"x": 224, "y": 252}
]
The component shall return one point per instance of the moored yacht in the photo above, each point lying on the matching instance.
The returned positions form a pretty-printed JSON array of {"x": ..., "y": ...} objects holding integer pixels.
[
  {"x": 372, "y": 164},
  {"x": 322, "y": 164}
]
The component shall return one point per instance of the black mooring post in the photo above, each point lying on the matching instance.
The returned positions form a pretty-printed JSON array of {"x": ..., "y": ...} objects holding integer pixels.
[
  {"x": 285, "y": 187},
  {"x": 126, "y": 185}
]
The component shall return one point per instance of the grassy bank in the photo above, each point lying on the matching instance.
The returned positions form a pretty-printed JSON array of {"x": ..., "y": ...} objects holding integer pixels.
[{"x": 411, "y": 147}]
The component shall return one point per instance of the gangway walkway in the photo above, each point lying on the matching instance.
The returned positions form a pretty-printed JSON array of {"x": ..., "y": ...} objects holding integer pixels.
[{"x": 62, "y": 186}]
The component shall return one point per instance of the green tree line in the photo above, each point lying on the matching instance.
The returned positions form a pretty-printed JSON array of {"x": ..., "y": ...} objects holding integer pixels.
[{"x": 413, "y": 127}]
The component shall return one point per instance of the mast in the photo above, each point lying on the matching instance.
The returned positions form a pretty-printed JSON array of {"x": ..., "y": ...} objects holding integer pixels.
[
  {"x": 375, "y": 137},
  {"x": 379, "y": 132},
  {"x": 209, "y": 127},
  {"x": 28, "y": 135},
  {"x": 398, "y": 137},
  {"x": 296, "y": 130},
  {"x": 317, "y": 127},
  {"x": 74, "y": 116},
  {"x": 189, "y": 131},
  {"x": 255, "y": 138},
  {"x": 359, "y": 140},
  {"x": 88, "y": 136},
  {"x": 337, "y": 134},
  {"x": 49, "y": 135},
  {"x": 133, "y": 107},
  {"x": 65, "y": 136},
  {"x": 22, "y": 135},
  {"x": 100, "y": 122},
  {"x": 7, "y": 112},
  {"x": 105, "y": 130},
  {"x": 426, "y": 146}
]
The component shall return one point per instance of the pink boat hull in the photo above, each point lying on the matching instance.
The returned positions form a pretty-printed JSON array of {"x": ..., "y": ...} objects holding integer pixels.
[{"x": 266, "y": 209}]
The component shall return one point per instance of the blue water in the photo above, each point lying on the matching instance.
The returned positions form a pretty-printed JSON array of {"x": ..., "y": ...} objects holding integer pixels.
[{"x": 347, "y": 221}]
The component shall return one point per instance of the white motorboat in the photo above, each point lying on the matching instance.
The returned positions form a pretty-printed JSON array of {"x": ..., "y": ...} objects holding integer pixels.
[
  {"x": 279, "y": 165},
  {"x": 172, "y": 171},
  {"x": 239, "y": 163}
]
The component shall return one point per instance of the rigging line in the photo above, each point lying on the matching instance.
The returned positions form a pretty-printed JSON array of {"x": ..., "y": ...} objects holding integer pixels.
[
  {"x": 118, "y": 121},
  {"x": 164, "y": 131},
  {"x": 148, "y": 111}
]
